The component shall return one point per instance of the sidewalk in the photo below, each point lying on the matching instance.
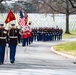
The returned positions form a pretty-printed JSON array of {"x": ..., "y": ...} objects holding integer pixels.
[{"x": 38, "y": 59}]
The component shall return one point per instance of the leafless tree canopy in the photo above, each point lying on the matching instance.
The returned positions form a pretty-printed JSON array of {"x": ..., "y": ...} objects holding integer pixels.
[{"x": 53, "y": 6}]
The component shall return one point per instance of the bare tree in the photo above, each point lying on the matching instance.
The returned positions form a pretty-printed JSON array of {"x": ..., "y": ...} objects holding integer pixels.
[{"x": 56, "y": 6}]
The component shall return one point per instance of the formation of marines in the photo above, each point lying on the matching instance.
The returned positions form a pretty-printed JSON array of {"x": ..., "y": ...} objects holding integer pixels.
[
  {"x": 12, "y": 37},
  {"x": 47, "y": 34},
  {"x": 26, "y": 36}
]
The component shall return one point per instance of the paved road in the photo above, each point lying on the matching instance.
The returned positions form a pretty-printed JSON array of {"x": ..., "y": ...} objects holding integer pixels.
[{"x": 38, "y": 59}]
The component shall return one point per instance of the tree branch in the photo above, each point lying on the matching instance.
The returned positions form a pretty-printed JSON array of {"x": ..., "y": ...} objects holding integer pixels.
[
  {"x": 72, "y": 4},
  {"x": 1, "y": 1},
  {"x": 72, "y": 12},
  {"x": 52, "y": 7}
]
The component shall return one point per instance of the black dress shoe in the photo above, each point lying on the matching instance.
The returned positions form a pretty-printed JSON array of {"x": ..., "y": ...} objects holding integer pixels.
[
  {"x": 12, "y": 62},
  {"x": 2, "y": 62}
]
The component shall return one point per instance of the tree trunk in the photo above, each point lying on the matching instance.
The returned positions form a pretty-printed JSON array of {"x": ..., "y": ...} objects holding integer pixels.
[
  {"x": 67, "y": 24},
  {"x": 67, "y": 18}
]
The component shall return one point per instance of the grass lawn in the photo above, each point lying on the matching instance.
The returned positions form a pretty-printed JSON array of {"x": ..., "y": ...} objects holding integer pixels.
[
  {"x": 68, "y": 48},
  {"x": 72, "y": 34}
]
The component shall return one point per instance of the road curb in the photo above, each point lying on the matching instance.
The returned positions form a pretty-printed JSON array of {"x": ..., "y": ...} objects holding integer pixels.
[{"x": 62, "y": 54}]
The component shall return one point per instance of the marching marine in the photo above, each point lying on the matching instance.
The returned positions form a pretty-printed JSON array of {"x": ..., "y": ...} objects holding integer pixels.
[
  {"x": 3, "y": 35},
  {"x": 13, "y": 41}
]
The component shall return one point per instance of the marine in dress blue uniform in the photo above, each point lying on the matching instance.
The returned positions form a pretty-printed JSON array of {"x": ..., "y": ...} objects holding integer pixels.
[
  {"x": 13, "y": 41},
  {"x": 19, "y": 36},
  {"x": 35, "y": 34},
  {"x": 3, "y": 34},
  {"x": 60, "y": 33}
]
